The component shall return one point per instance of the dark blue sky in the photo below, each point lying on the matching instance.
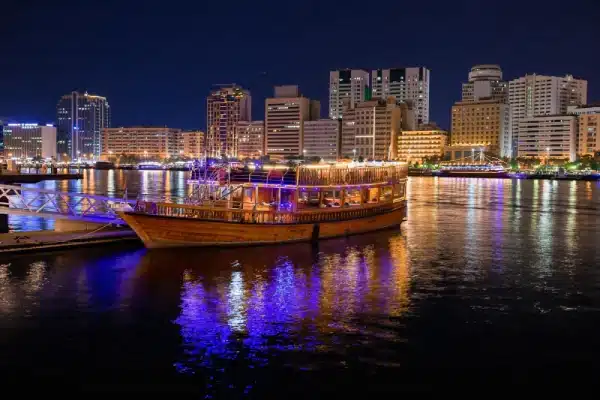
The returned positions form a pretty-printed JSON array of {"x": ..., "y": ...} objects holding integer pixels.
[{"x": 156, "y": 61}]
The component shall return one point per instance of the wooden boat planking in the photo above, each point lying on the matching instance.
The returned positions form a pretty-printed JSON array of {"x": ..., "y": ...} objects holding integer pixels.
[{"x": 174, "y": 231}]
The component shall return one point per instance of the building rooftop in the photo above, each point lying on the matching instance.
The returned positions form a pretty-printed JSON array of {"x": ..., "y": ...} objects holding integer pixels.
[
  {"x": 590, "y": 105},
  {"x": 550, "y": 116},
  {"x": 549, "y": 76},
  {"x": 483, "y": 100},
  {"x": 140, "y": 127},
  {"x": 429, "y": 127}
]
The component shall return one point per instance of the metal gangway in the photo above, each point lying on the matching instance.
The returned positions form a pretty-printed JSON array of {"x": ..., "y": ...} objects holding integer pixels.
[{"x": 36, "y": 202}]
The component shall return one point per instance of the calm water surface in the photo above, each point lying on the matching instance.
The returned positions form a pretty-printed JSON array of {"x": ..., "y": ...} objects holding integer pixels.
[{"x": 488, "y": 282}]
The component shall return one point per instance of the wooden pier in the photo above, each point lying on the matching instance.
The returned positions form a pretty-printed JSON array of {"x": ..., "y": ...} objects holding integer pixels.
[
  {"x": 10, "y": 178},
  {"x": 21, "y": 242}
]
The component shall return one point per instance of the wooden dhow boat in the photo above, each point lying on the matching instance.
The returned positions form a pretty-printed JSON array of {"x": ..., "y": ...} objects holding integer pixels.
[{"x": 277, "y": 204}]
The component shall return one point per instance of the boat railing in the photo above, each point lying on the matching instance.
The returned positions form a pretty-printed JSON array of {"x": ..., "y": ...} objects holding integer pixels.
[
  {"x": 242, "y": 215},
  {"x": 285, "y": 177},
  {"x": 306, "y": 176},
  {"x": 351, "y": 176}
]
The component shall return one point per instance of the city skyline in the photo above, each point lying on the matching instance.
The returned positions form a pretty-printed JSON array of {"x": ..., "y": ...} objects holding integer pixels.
[{"x": 144, "y": 90}]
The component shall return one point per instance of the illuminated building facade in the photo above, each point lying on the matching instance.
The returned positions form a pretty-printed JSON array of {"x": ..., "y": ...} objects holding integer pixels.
[
  {"x": 410, "y": 85},
  {"x": 285, "y": 115},
  {"x": 322, "y": 139},
  {"x": 536, "y": 95},
  {"x": 426, "y": 142},
  {"x": 485, "y": 82},
  {"x": 80, "y": 120},
  {"x": 193, "y": 144},
  {"x": 225, "y": 107},
  {"x": 483, "y": 123},
  {"x": 251, "y": 139},
  {"x": 143, "y": 142},
  {"x": 347, "y": 85},
  {"x": 548, "y": 136},
  {"x": 370, "y": 130},
  {"x": 588, "y": 132},
  {"x": 29, "y": 140}
]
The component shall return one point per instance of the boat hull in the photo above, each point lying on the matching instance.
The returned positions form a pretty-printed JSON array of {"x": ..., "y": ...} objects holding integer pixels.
[
  {"x": 473, "y": 174},
  {"x": 165, "y": 231}
]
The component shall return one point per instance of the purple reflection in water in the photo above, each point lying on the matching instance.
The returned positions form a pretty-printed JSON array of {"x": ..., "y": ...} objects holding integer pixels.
[{"x": 251, "y": 315}]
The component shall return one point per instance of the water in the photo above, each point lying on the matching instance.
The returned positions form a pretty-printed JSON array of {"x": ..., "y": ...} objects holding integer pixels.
[{"x": 488, "y": 282}]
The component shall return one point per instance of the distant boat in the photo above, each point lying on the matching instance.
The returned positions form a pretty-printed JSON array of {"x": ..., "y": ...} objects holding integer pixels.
[
  {"x": 150, "y": 165},
  {"x": 126, "y": 166},
  {"x": 104, "y": 165},
  {"x": 478, "y": 170}
]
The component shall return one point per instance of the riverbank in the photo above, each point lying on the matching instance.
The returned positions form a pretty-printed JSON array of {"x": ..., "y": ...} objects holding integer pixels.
[
  {"x": 7, "y": 178},
  {"x": 505, "y": 175},
  {"x": 21, "y": 242}
]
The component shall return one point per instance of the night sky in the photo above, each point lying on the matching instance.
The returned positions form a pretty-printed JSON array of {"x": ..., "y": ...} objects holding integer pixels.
[{"x": 157, "y": 61}]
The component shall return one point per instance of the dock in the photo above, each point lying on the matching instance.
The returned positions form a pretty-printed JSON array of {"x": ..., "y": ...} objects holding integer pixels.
[
  {"x": 21, "y": 242},
  {"x": 10, "y": 178}
]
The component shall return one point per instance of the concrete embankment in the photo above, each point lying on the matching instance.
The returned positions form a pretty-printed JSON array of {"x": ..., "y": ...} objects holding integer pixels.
[
  {"x": 19, "y": 242},
  {"x": 8, "y": 178}
]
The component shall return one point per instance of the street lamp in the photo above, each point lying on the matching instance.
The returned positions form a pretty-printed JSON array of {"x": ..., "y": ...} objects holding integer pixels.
[{"x": 354, "y": 152}]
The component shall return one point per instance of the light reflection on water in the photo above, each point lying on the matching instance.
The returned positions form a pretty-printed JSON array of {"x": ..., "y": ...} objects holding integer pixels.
[
  {"x": 508, "y": 265},
  {"x": 265, "y": 309}
]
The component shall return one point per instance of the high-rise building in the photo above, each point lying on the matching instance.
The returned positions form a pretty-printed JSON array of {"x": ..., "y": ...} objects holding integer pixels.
[
  {"x": 29, "y": 140},
  {"x": 483, "y": 123},
  {"x": 322, "y": 139},
  {"x": 405, "y": 84},
  {"x": 485, "y": 82},
  {"x": 193, "y": 144},
  {"x": 225, "y": 107},
  {"x": 142, "y": 142},
  {"x": 251, "y": 139},
  {"x": 284, "y": 121},
  {"x": 347, "y": 85},
  {"x": 537, "y": 95},
  {"x": 548, "y": 136},
  {"x": 80, "y": 120},
  {"x": 370, "y": 129},
  {"x": 1, "y": 137},
  {"x": 588, "y": 132},
  {"x": 428, "y": 141}
]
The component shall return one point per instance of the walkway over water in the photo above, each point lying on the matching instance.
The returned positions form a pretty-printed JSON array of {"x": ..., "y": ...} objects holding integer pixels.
[{"x": 33, "y": 201}]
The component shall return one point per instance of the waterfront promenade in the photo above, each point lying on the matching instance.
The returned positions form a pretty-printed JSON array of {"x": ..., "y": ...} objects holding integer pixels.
[
  {"x": 38, "y": 241},
  {"x": 9, "y": 178}
]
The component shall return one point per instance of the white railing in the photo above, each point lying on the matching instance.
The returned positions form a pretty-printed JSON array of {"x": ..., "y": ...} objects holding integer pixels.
[{"x": 52, "y": 204}]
